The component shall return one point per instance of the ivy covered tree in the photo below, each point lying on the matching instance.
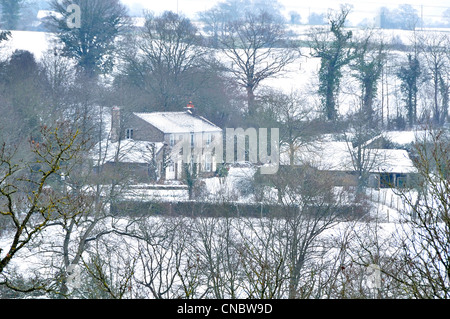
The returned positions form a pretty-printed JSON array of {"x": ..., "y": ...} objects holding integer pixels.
[
  {"x": 369, "y": 61},
  {"x": 335, "y": 51},
  {"x": 409, "y": 74}
]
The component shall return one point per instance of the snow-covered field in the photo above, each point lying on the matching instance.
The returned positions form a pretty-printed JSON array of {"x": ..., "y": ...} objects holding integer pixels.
[
  {"x": 160, "y": 254},
  {"x": 35, "y": 42}
]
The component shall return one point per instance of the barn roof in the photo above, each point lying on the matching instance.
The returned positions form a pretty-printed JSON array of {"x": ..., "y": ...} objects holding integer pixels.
[{"x": 339, "y": 156}]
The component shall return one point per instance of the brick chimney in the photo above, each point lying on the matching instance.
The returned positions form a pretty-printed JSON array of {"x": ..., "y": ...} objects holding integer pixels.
[
  {"x": 115, "y": 124},
  {"x": 190, "y": 108}
]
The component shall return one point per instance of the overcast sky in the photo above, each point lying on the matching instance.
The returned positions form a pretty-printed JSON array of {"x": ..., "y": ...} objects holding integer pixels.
[{"x": 431, "y": 9}]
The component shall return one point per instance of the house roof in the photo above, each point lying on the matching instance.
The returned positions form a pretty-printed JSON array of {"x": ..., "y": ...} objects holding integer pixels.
[
  {"x": 42, "y": 14},
  {"x": 392, "y": 161},
  {"x": 337, "y": 156},
  {"x": 178, "y": 122},
  {"x": 403, "y": 138},
  {"x": 329, "y": 156},
  {"x": 129, "y": 151}
]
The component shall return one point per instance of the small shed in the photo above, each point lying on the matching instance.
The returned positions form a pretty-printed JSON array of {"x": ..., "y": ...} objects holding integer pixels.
[{"x": 394, "y": 169}]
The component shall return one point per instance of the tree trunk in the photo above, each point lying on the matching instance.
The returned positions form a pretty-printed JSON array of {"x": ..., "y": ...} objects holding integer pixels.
[
  {"x": 251, "y": 100},
  {"x": 437, "y": 115}
]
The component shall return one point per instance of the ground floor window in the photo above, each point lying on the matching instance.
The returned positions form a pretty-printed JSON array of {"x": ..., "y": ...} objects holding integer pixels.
[
  {"x": 401, "y": 180},
  {"x": 388, "y": 180},
  {"x": 208, "y": 163}
]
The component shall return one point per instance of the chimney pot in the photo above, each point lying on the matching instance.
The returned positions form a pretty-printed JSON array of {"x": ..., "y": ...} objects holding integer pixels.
[{"x": 190, "y": 108}]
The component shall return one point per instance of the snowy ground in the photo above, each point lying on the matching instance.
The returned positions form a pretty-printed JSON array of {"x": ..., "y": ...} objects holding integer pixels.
[
  {"x": 35, "y": 42},
  {"x": 117, "y": 251},
  {"x": 385, "y": 204}
]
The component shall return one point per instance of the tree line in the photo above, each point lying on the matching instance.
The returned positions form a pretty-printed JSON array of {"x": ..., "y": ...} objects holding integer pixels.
[{"x": 225, "y": 65}]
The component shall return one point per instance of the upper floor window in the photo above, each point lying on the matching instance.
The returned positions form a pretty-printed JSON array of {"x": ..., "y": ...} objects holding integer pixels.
[
  {"x": 172, "y": 139},
  {"x": 192, "y": 140},
  {"x": 208, "y": 139},
  {"x": 129, "y": 134}
]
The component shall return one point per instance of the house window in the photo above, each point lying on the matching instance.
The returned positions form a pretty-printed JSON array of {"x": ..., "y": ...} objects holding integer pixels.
[
  {"x": 401, "y": 180},
  {"x": 387, "y": 180},
  {"x": 208, "y": 139},
  {"x": 208, "y": 164},
  {"x": 129, "y": 134},
  {"x": 172, "y": 140},
  {"x": 172, "y": 167},
  {"x": 192, "y": 140}
]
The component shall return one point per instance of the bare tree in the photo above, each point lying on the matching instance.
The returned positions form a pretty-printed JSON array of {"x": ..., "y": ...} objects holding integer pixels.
[
  {"x": 257, "y": 49},
  {"x": 364, "y": 157},
  {"x": 215, "y": 20},
  {"x": 307, "y": 208},
  {"x": 424, "y": 250},
  {"x": 162, "y": 253},
  {"x": 434, "y": 50},
  {"x": 310, "y": 210},
  {"x": 216, "y": 252},
  {"x": 262, "y": 258},
  {"x": 412, "y": 255},
  {"x": 166, "y": 59},
  {"x": 295, "y": 117},
  {"x": 60, "y": 74},
  {"x": 110, "y": 271},
  {"x": 27, "y": 198}
]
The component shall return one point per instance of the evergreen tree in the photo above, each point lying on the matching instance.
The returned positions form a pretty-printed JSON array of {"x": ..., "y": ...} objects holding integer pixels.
[
  {"x": 11, "y": 13},
  {"x": 91, "y": 44},
  {"x": 4, "y": 35},
  {"x": 23, "y": 98}
]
